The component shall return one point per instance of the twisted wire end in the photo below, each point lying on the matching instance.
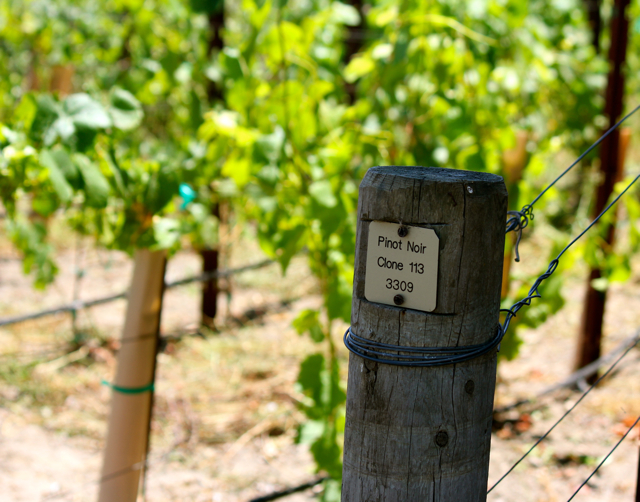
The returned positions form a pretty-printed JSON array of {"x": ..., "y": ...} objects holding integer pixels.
[{"x": 517, "y": 222}]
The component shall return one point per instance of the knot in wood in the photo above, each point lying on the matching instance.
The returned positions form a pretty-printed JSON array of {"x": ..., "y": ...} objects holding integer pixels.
[
  {"x": 469, "y": 387},
  {"x": 442, "y": 438}
]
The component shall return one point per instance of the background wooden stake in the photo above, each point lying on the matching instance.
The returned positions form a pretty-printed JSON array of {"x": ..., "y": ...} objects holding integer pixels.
[
  {"x": 210, "y": 257},
  {"x": 209, "y": 304},
  {"x": 513, "y": 164},
  {"x": 416, "y": 434},
  {"x": 128, "y": 433},
  {"x": 611, "y": 162}
]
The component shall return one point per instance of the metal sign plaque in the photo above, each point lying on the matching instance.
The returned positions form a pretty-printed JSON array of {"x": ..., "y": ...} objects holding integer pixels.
[{"x": 402, "y": 266}]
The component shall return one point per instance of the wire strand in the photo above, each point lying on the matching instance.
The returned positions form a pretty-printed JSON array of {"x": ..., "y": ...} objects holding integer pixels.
[
  {"x": 441, "y": 356},
  {"x": 518, "y": 220},
  {"x": 604, "y": 459},
  {"x": 574, "y": 378},
  {"x": 563, "y": 416},
  {"x": 533, "y": 292},
  {"x": 80, "y": 304},
  {"x": 417, "y": 357},
  {"x": 586, "y": 152}
]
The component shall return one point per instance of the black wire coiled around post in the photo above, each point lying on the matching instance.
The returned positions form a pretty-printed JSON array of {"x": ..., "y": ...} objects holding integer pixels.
[{"x": 420, "y": 357}]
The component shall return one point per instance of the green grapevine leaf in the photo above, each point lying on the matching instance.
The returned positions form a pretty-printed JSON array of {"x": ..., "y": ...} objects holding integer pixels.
[
  {"x": 308, "y": 322},
  {"x": 63, "y": 128},
  {"x": 30, "y": 239},
  {"x": 126, "y": 111},
  {"x": 166, "y": 232},
  {"x": 47, "y": 112},
  {"x": 339, "y": 299},
  {"x": 327, "y": 453},
  {"x": 310, "y": 377},
  {"x": 68, "y": 168},
  {"x": 288, "y": 243},
  {"x": 56, "y": 175},
  {"x": 96, "y": 186},
  {"x": 206, "y": 6},
  {"x": 322, "y": 193},
  {"x": 310, "y": 431},
  {"x": 358, "y": 67},
  {"x": 345, "y": 14},
  {"x": 162, "y": 187},
  {"x": 85, "y": 112}
]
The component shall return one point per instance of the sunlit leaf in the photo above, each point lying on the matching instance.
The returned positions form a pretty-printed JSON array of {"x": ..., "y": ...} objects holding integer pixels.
[
  {"x": 322, "y": 193},
  {"x": 358, "y": 67},
  {"x": 86, "y": 112},
  {"x": 126, "y": 111}
]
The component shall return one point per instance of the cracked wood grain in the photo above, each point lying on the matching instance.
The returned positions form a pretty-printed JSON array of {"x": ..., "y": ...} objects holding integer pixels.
[{"x": 417, "y": 434}]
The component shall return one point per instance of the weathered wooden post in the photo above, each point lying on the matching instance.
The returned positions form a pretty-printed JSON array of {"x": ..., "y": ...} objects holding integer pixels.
[{"x": 429, "y": 252}]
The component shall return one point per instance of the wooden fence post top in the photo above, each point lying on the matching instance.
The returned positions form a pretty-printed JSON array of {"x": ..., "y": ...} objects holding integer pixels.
[
  {"x": 437, "y": 174},
  {"x": 423, "y": 433},
  {"x": 465, "y": 210},
  {"x": 450, "y": 187}
]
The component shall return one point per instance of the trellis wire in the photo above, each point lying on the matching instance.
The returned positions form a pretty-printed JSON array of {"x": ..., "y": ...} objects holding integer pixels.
[
  {"x": 422, "y": 357},
  {"x": 518, "y": 220},
  {"x": 604, "y": 459},
  {"x": 440, "y": 356},
  {"x": 146, "y": 464},
  {"x": 564, "y": 415},
  {"x": 290, "y": 491},
  {"x": 533, "y": 292},
  {"x": 577, "y": 376},
  {"x": 79, "y": 304}
]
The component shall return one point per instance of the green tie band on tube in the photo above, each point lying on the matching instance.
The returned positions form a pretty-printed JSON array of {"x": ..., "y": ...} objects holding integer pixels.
[{"x": 129, "y": 390}]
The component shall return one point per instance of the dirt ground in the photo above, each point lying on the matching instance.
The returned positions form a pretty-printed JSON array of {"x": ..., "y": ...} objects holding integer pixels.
[{"x": 225, "y": 411}]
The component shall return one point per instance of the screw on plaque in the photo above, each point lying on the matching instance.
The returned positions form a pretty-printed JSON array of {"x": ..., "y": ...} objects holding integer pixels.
[
  {"x": 398, "y": 299},
  {"x": 403, "y": 231}
]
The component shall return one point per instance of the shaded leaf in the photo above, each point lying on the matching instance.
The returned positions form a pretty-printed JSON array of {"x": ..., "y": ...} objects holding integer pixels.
[
  {"x": 307, "y": 322},
  {"x": 56, "y": 175},
  {"x": 162, "y": 187},
  {"x": 309, "y": 377},
  {"x": 339, "y": 298},
  {"x": 288, "y": 243},
  {"x": 96, "y": 186},
  {"x": 206, "y": 6},
  {"x": 47, "y": 112},
  {"x": 68, "y": 168}
]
